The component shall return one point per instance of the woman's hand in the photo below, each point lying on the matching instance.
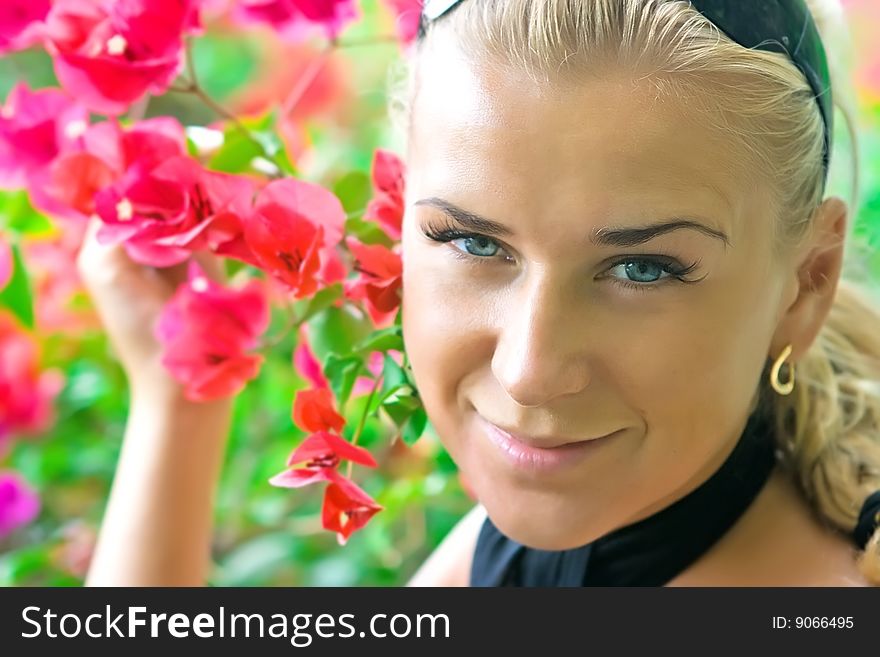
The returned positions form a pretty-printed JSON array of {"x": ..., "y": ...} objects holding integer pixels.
[
  {"x": 129, "y": 297},
  {"x": 157, "y": 526}
]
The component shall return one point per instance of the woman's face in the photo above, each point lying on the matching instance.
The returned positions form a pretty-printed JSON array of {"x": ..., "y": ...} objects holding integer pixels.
[{"x": 563, "y": 318}]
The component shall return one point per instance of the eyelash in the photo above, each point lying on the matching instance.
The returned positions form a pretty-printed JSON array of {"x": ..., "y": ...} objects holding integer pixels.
[{"x": 677, "y": 271}]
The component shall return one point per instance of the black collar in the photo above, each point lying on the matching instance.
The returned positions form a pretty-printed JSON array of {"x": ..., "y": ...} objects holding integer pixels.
[{"x": 649, "y": 552}]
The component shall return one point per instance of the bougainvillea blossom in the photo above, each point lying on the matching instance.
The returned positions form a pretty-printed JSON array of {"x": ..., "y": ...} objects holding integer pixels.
[
  {"x": 379, "y": 282},
  {"x": 292, "y": 234},
  {"x": 104, "y": 154},
  {"x": 207, "y": 331},
  {"x": 407, "y": 14},
  {"x": 6, "y": 263},
  {"x": 109, "y": 54},
  {"x": 313, "y": 410},
  {"x": 21, "y": 23},
  {"x": 35, "y": 127},
  {"x": 387, "y": 205},
  {"x": 346, "y": 509},
  {"x": 19, "y": 503},
  {"x": 296, "y": 20},
  {"x": 27, "y": 392},
  {"x": 162, "y": 215}
]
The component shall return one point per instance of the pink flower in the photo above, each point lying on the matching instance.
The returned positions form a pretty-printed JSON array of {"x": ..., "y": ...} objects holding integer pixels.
[
  {"x": 102, "y": 155},
  {"x": 408, "y": 13},
  {"x": 207, "y": 330},
  {"x": 294, "y": 20},
  {"x": 346, "y": 509},
  {"x": 21, "y": 22},
  {"x": 57, "y": 289},
  {"x": 35, "y": 126},
  {"x": 292, "y": 234},
  {"x": 307, "y": 366},
  {"x": 314, "y": 410},
  {"x": 5, "y": 262},
  {"x": 321, "y": 453},
  {"x": 163, "y": 214},
  {"x": 108, "y": 54},
  {"x": 387, "y": 204},
  {"x": 26, "y": 392},
  {"x": 19, "y": 503},
  {"x": 379, "y": 282}
]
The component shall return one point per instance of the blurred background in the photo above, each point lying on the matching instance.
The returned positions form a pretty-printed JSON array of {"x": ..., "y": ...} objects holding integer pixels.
[{"x": 266, "y": 536}]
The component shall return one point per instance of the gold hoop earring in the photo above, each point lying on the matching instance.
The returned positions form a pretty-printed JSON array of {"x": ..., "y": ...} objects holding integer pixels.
[{"x": 788, "y": 386}]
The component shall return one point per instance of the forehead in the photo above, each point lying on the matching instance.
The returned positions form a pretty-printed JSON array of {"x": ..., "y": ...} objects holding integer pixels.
[{"x": 608, "y": 147}]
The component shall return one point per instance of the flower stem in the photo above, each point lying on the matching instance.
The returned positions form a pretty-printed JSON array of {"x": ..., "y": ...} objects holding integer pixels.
[
  {"x": 193, "y": 87},
  {"x": 363, "y": 420}
]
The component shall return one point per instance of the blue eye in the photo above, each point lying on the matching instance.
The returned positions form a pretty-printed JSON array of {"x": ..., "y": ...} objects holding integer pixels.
[
  {"x": 642, "y": 271},
  {"x": 479, "y": 246}
]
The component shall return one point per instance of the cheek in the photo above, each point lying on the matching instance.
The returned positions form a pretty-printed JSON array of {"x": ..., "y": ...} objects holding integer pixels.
[
  {"x": 694, "y": 381},
  {"x": 442, "y": 334}
]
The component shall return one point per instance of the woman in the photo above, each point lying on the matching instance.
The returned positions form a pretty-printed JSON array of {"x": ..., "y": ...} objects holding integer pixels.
[{"x": 622, "y": 304}]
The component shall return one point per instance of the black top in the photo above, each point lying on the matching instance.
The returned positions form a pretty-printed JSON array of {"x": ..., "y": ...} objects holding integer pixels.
[{"x": 649, "y": 552}]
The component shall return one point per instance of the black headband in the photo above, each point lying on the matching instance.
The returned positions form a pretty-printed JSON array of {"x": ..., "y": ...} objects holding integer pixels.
[{"x": 783, "y": 26}]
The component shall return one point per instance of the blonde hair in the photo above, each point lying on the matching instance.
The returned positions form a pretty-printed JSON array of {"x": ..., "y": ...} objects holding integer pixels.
[{"x": 828, "y": 429}]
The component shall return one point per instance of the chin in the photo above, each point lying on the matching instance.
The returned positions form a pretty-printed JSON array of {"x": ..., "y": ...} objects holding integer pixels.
[{"x": 538, "y": 519}]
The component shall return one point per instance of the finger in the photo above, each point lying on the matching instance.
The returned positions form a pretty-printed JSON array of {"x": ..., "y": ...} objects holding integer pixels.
[
  {"x": 211, "y": 265},
  {"x": 97, "y": 262}
]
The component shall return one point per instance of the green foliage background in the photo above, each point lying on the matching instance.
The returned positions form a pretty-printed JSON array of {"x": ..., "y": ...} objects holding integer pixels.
[{"x": 266, "y": 535}]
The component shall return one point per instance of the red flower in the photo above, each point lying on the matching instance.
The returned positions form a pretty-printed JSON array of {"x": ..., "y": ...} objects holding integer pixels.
[
  {"x": 292, "y": 232},
  {"x": 207, "y": 329},
  {"x": 5, "y": 262},
  {"x": 35, "y": 126},
  {"x": 346, "y": 509},
  {"x": 104, "y": 153},
  {"x": 387, "y": 204},
  {"x": 321, "y": 452},
  {"x": 57, "y": 289},
  {"x": 26, "y": 392},
  {"x": 408, "y": 13},
  {"x": 163, "y": 214},
  {"x": 305, "y": 363},
  {"x": 108, "y": 54},
  {"x": 19, "y": 503},
  {"x": 294, "y": 20},
  {"x": 21, "y": 23},
  {"x": 313, "y": 411},
  {"x": 326, "y": 450},
  {"x": 380, "y": 280}
]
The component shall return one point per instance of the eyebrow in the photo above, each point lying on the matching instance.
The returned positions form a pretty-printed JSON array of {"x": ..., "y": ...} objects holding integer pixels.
[{"x": 607, "y": 236}]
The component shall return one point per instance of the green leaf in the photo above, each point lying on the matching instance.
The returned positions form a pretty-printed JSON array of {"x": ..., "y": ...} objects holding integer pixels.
[
  {"x": 336, "y": 330},
  {"x": 414, "y": 427},
  {"x": 323, "y": 299},
  {"x": 382, "y": 340},
  {"x": 342, "y": 372},
  {"x": 401, "y": 408},
  {"x": 368, "y": 232},
  {"x": 354, "y": 189},
  {"x": 16, "y": 296},
  {"x": 393, "y": 375},
  {"x": 236, "y": 153},
  {"x": 16, "y": 567},
  {"x": 19, "y": 216}
]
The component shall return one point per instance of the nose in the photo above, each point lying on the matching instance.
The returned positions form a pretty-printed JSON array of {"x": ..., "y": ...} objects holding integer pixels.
[{"x": 541, "y": 351}]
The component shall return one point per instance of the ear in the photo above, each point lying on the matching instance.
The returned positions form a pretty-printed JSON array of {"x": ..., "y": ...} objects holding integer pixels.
[{"x": 817, "y": 267}]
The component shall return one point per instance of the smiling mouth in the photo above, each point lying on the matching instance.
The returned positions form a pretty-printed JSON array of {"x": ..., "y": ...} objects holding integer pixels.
[
  {"x": 540, "y": 442},
  {"x": 554, "y": 457}
]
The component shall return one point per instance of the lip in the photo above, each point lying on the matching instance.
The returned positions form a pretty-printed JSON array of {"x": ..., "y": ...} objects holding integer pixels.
[{"x": 530, "y": 457}]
